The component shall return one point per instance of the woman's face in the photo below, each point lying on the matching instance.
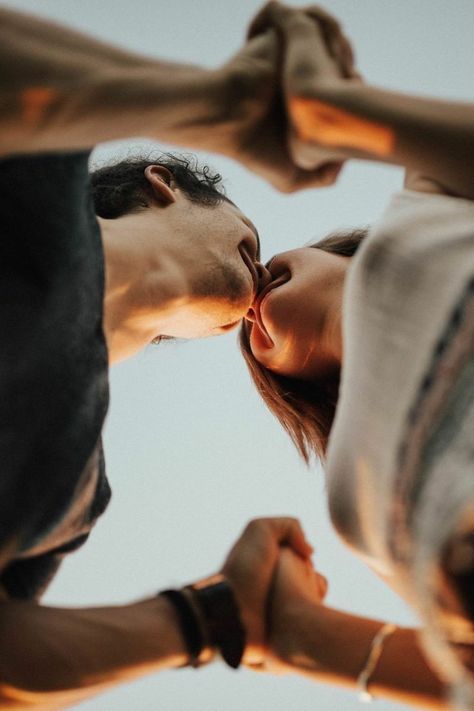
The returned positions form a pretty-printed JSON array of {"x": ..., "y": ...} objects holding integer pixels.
[{"x": 294, "y": 325}]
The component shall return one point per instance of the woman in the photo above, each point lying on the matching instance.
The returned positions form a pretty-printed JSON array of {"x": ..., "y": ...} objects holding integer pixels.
[
  {"x": 369, "y": 363},
  {"x": 292, "y": 342}
]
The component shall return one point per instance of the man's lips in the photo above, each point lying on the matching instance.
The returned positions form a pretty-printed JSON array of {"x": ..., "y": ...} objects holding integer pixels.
[{"x": 248, "y": 261}]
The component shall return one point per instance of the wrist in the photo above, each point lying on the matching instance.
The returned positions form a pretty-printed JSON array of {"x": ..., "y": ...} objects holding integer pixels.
[
  {"x": 160, "y": 630},
  {"x": 190, "y": 106},
  {"x": 300, "y": 637},
  {"x": 334, "y": 114},
  {"x": 323, "y": 641},
  {"x": 208, "y": 616}
]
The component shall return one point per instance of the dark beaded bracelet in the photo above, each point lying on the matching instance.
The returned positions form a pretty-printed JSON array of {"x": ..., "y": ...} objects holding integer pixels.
[
  {"x": 221, "y": 614},
  {"x": 188, "y": 623}
]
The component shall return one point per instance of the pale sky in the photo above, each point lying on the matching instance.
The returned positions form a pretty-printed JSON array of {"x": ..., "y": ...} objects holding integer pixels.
[{"x": 191, "y": 451}]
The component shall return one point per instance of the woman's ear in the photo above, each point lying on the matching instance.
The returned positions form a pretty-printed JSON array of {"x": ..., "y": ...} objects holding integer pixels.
[{"x": 162, "y": 184}]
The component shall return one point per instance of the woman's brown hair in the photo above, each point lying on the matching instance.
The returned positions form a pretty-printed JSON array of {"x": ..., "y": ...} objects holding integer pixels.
[{"x": 305, "y": 409}]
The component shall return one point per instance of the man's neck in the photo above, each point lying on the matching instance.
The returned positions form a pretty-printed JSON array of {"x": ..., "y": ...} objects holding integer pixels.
[{"x": 142, "y": 286}]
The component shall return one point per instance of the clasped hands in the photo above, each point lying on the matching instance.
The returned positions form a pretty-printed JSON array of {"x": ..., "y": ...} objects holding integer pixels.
[
  {"x": 290, "y": 54},
  {"x": 270, "y": 571}
]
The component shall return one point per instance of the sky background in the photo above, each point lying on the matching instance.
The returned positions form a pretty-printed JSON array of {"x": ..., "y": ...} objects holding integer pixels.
[{"x": 192, "y": 453}]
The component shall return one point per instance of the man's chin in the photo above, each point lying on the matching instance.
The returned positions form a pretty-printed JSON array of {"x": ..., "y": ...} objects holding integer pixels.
[{"x": 229, "y": 326}]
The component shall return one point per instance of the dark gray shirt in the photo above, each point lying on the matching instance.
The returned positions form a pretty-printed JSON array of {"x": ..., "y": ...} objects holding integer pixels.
[{"x": 53, "y": 366}]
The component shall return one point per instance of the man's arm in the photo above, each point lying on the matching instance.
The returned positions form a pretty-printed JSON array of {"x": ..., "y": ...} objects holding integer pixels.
[
  {"x": 56, "y": 657},
  {"x": 331, "y": 646},
  {"x": 434, "y": 139},
  {"x": 53, "y": 658},
  {"x": 62, "y": 89}
]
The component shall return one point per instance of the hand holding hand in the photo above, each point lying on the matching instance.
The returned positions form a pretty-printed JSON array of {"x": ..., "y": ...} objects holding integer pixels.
[
  {"x": 297, "y": 588},
  {"x": 250, "y": 568},
  {"x": 315, "y": 53},
  {"x": 251, "y": 125}
]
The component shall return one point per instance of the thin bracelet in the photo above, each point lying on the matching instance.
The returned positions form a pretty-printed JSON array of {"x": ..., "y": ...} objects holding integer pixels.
[{"x": 376, "y": 649}]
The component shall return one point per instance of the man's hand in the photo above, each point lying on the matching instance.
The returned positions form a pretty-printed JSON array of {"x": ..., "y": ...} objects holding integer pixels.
[{"x": 250, "y": 567}]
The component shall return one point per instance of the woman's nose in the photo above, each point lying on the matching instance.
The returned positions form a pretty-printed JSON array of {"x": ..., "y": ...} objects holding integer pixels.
[{"x": 264, "y": 278}]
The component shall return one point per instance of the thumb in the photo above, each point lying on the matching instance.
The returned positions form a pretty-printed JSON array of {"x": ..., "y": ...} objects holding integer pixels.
[{"x": 288, "y": 532}]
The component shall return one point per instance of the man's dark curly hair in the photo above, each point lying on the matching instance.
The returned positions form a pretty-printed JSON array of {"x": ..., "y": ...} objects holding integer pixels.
[{"x": 120, "y": 188}]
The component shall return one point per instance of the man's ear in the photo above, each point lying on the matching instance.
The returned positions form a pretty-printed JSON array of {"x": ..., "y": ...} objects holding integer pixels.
[{"x": 162, "y": 184}]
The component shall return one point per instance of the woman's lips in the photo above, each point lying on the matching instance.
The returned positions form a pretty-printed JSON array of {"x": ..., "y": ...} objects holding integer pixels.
[
  {"x": 259, "y": 338},
  {"x": 259, "y": 333}
]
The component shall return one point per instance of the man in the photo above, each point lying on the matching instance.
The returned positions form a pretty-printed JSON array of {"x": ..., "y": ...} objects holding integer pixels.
[
  {"x": 167, "y": 256},
  {"x": 176, "y": 259},
  {"x": 181, "y": 259}
]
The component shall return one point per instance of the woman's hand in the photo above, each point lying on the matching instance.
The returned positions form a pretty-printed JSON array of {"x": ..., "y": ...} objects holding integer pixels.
[
  {"x": 250, "y": 568},
  {"x": 307, "y": 637},
  {"x": 297, "y": 590}
]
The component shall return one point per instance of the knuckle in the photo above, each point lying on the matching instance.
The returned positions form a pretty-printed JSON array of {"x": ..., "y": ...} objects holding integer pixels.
[
  {"x": 286, "y": 187},
  {"x": 318, "y": 13},
  {"x": 254, "y": 524}
]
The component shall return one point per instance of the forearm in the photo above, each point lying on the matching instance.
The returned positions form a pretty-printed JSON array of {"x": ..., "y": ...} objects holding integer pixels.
[
  {"x": 331, "y": 646},
  {"x": 60, "y": 89},
  {"x": 434, "y": 138},
  {"x": 52, "y": 657}
]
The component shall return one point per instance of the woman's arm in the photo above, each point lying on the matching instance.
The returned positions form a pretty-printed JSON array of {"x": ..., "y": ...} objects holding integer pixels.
[
  {"x": 432, "y": 138},
  {"x": 331, "y": 646}
]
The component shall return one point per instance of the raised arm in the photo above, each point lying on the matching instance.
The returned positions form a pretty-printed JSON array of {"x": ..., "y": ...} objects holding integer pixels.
[
  {"x": 431, "y": 138},
  {"x": 60, "y": 89},
  {"x": 333, "y": 647}
]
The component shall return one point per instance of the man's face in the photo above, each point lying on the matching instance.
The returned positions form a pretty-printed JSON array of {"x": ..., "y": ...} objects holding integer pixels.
[{"x": 218, "y": 250}]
